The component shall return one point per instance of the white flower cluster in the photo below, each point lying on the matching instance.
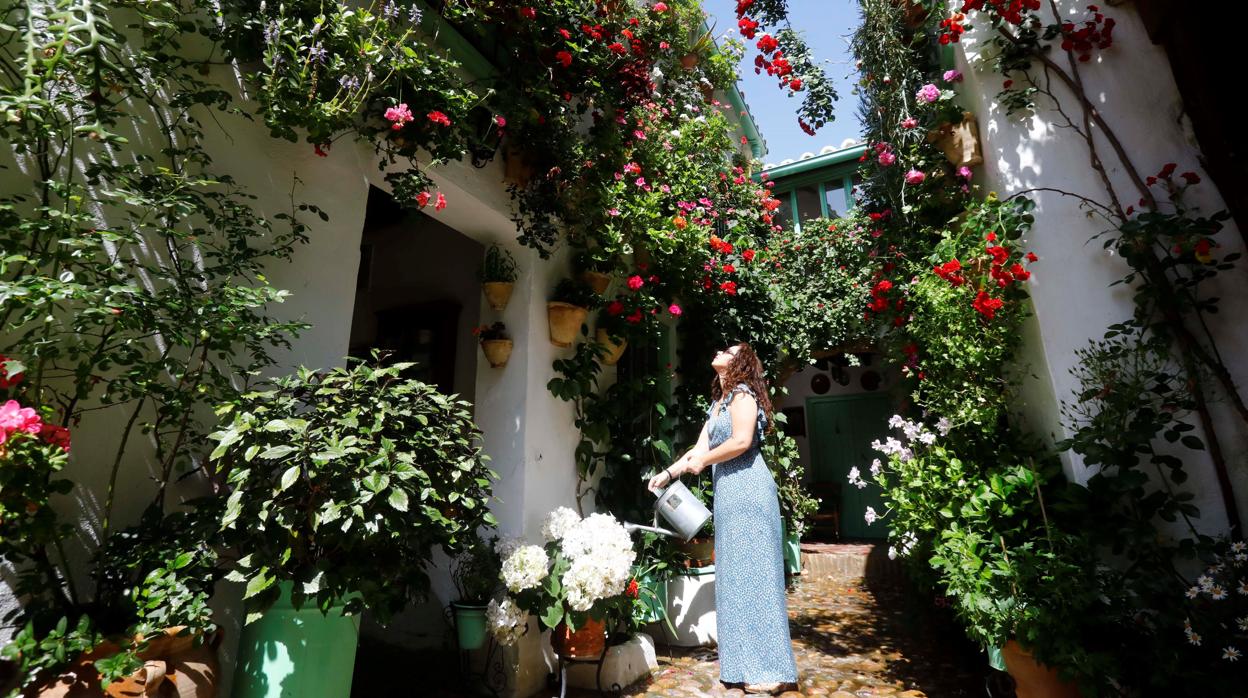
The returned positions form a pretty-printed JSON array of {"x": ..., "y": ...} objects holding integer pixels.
[
  {"x": 602, "y": 556},
  {"x": 855, "y": 478},
  {"x": 907, "y": 542},
  {"x": 507, "y": 620},
  {"x": 870, "y": 516},
  {"x": 525, "y": 568},
  {"x": 558, "y": 523},
  {"x": 914, "y": 432}
]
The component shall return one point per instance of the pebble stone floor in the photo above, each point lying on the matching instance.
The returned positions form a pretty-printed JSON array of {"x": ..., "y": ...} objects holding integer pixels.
[{"x": 849, "y": 641}]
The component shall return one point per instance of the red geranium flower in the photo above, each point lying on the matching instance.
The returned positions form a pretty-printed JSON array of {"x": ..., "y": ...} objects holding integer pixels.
[
  {"x": 615, "y": 308},
  {"x": 528, "y": 13},
  {"x": 422, "y": 199},
  {"x": 728, "y": 268},
  {"x": 635, "y": 282},
  {"x": 748, "y": 255},
  {"x": 987, "y": 305},
  {"x": 564, "y": 58},
  {"x": 729, "y": 287},
  {"x": 439, "y": 203},
  {"x": 617, "y": 47},
  {"x": 8, "y": 380},
  {"x": 634, "y": 318},
  {"x": 767, "y": 43},
  {"x": 633, "y": 590},
  {"x": 439, "y": 118}
]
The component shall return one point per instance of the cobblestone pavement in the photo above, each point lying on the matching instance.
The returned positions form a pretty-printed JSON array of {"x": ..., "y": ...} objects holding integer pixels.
[{"x": 849, "y": 641}]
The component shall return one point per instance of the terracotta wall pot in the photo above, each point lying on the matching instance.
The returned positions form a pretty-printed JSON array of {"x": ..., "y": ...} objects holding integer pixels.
[
  {"x": 597, "y": 281},
  {"x": 497, "y": 293},
  {"x": 565, "y": 322},
  {"x": 588, "y": 641},
  {"x": 496, "y": 351},
  {"x": 614, "y": 350},
  {"x": 516, "y": 167},
  {"x": 1033, "y": 679},
  {"x": 699, "y": 551},
  {"x": 689, "y": 61},
  {"x": 959, "y": 142}
]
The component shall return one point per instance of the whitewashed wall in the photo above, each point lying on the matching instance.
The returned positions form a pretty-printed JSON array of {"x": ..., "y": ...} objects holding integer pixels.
[
  {"x": 1133, "y": 87},
  {"x": 529, "y": 434}
]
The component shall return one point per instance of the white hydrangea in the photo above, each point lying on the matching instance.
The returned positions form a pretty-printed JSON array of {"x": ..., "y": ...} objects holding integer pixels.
[
  {"x": 506, "y": 545},
  {"x": 558, "y": 523},
  {"x": 507, "y": 620},
  {"x": 596, "y": 534},
  {"x": 525, "y": 568}
]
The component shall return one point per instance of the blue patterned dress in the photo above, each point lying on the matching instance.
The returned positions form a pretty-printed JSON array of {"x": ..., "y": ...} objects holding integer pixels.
[{"x": 751, "y": 610}]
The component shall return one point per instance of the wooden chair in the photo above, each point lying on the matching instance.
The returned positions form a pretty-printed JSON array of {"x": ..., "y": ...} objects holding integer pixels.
[{"x": 826, "y": 523}]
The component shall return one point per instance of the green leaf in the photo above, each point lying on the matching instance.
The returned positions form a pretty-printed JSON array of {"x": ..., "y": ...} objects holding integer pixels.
[
  {"x": 398, "y": 499},
  {"x": 288, "y": 478},
  {"x": 277, "y": 451},
  {"x": 258, "y": 583}
]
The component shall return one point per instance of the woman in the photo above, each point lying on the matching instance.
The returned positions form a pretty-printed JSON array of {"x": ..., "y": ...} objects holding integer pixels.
[{"x": 750, "y": 606}]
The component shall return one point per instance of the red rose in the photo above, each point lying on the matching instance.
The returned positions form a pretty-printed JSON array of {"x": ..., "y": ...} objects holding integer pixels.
[
  {"x": 729, "y": 287},
  {"x": 990, "y": 237},
  {"x": 528, "y": 13},
  {"x": 767, "y": 43},
  {"x": 564, "y": 58},
  {"x": 795, "y": 84},
  {"x": 635, "y": 282},
  {"x": 615, "y": 308}
]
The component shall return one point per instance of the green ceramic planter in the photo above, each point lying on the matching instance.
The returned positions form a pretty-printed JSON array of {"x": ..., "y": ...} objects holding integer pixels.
[
  {"x": 470, "y": 626},
  {"x": 792, "y": 553},
  {"x": 290, "y": 653}
]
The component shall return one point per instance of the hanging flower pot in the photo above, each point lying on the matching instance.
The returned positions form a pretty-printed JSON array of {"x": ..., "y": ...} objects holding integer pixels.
[
  {"x": 689, "y": 61},
  {"x": 959, "y": 142},
  {"x": 565, "y": 322},
  {"x": 596, "y": 280},
  {"x": 699, "y": 552},
  {"x": 497, "y": 293},
  {"x": 614, "y": 349},
  {"x": 1033, "y": 679},
  {"x": 516, "y": 167},
  {"x": 496, "y": 351},
  {"x": 587, "y": 641}
]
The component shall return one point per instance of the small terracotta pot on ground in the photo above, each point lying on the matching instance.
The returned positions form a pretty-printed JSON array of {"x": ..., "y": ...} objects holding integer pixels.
[{"x": 1033, "y": 679}]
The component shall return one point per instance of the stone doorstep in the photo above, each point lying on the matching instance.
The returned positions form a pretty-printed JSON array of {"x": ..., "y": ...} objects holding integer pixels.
[
  {"x": 846, "y": 561},
  {"x": 624, "y": 664}
]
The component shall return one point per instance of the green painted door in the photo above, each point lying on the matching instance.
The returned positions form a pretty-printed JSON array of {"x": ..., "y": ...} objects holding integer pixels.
[{"x": 841, "y": 429}]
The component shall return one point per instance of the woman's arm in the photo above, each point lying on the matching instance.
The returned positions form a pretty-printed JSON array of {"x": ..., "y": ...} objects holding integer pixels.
[
  {"x": 673, "y": 471},
  {"x": 743, "y": 411}
]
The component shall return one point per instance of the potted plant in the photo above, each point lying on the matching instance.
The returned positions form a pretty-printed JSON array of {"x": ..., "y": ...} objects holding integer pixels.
[
  {"x": 797, "y": 506},
  {"x": 572, "y": 583},
  {"x": 959, "y": 141},
  {"x": 475, "y": 575},
  {"x": 339, "y": 494},
  {"x": 610, "y": 335},
  {"x": 495, "y": 343},
  {"x": 567, "y": 311},
  {"x": 498, "y": 277},
  {"x": 596, "y": 269}
]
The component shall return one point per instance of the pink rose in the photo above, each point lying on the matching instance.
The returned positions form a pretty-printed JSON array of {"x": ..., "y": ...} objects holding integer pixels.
[
  {"x": 965, "y": 172},
  {"x": 928, "y": 93},
  {"x": 887, "y": 158},
  {"x": 910, "y": 122},
  {"x": 674, "y": 310},
  {"x": 660, "y": 7},
  {"x": 635, "y": 282},
  {"x": 952, "y": 76},
  {"x": 915, "y": 177}
]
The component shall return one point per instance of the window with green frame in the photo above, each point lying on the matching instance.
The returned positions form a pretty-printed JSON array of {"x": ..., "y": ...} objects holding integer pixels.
[{"x": 816, "y": 195}]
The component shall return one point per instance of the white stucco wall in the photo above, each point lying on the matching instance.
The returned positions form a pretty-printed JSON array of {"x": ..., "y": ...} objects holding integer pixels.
[
  {"x": 529, "y": 434},
  {"x": 1133, "y": 87}
]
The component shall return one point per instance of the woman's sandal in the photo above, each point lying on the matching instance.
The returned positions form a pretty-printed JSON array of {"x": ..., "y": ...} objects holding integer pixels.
[{"x": 773, "y": 688}]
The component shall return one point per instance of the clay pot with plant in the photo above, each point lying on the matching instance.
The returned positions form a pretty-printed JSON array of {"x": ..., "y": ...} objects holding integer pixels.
[
  {"x": 498, "y": 277},
  {"x": 595, "y": 267},
  {"x": 567, "y": 310},
  {"x": 610, "y": 334},
  {"x": 495, "y": 343}
]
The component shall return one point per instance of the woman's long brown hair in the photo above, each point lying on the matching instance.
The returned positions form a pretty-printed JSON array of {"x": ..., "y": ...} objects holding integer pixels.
[{"x": 746, "y": 368}]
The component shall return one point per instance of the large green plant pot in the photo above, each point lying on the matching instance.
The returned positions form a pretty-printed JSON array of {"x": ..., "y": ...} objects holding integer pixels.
[
  {"x": 290, "y": 653},
  {"x": 470, "y": 626},
  {"x": 792, "y": 553},
  {"x": 654, "y": 598}
]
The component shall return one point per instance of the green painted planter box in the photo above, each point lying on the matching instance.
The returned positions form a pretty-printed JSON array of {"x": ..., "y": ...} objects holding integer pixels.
[
  {"x": 469, "y": 625},
  {"x": 792, "y": 552},
  {"x": 290, "y": 653}
]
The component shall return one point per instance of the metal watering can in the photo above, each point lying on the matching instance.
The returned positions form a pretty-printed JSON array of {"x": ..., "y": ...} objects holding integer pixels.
[{"x": 681, "y": 509}]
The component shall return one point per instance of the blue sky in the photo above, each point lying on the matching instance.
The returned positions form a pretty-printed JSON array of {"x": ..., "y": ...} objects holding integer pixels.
[{"x": 827, "y": 25}]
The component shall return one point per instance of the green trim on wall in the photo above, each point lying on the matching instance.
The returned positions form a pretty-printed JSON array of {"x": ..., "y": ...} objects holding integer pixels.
[
  {"x": 816, "y": 163},
  {"x": 449, "y": 38}
]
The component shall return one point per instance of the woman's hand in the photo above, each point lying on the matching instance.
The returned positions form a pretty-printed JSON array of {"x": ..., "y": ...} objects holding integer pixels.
[{"x": 671, "y": 473}]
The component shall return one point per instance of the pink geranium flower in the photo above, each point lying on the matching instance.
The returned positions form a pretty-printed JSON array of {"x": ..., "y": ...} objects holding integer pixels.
[
  {"x": 909, "y": 122},
  {"x": 398, "y": 116},
  {"x": 952, "y": 76},
  {"x": 660, "y": 7},
  {"x": 887, "y": 158},
  {"x": 15, "y": 418},
  {"x": 635, "y": 282},
  {"x": 915, "y": 177},
  {"x": 674, "y": 310}
]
